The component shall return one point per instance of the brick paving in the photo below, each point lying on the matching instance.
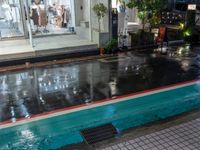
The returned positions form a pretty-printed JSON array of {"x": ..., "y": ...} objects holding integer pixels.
[{"x": 185, "y": 136}]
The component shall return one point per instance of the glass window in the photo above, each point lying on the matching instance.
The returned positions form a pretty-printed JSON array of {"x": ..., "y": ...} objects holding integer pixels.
[
  {"x": 51, "y": 16},
  {"x": 11, "y": 24}
]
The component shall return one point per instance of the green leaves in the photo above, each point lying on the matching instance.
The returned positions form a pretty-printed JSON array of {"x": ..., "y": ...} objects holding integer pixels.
[
  {"x": 147, "y": 7},
  {"x": 100, "y": 10}
]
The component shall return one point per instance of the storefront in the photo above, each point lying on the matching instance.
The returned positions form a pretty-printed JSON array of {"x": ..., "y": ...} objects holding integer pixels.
[
  {"x": 35, "y": 19},
  {"x": 11, "y": 20},
  {"x": 44, "y": 17}
]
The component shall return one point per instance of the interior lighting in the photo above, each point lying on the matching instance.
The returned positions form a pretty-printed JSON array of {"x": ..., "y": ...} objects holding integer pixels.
[
  {"x": 28, "y": 134},
  {"x": 114, "y": 3}
]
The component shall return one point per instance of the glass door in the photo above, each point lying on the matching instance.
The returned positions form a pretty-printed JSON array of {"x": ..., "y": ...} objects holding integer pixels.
[{"x": 11, "y": 24}]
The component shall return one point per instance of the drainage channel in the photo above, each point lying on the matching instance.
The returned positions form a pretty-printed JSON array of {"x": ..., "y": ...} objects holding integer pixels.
[{"x": 99, "y": 134}]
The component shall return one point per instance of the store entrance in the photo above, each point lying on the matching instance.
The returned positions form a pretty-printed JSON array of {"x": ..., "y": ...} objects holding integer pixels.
[
  {"x": 51, "y": 17},
  {"x": 11, "y": 24}
]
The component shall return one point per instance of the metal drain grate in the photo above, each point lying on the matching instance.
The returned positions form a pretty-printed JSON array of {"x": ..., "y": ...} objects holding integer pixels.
[{"x": 98, "y": 134}]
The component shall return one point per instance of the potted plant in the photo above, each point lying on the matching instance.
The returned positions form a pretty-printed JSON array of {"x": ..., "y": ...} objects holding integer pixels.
[
  {"x": 99, "y": 36},
  {"x": 111, "y": 46},
  {"x": 100, "y": 10},
  {"x": 188, "y": 29},
  {"x": 148, "y": 13},
  {"x": 189, "y": 33}
]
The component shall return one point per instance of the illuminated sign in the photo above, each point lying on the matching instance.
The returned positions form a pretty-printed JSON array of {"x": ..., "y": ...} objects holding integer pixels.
[{"x": 192, "y": 7}]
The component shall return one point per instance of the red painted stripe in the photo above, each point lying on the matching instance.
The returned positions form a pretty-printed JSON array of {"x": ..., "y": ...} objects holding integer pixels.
[{"x": 101, "y": 101}]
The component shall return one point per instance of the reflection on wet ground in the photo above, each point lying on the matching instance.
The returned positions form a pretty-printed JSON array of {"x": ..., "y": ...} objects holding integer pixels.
[{"x": 37, "y": 90}]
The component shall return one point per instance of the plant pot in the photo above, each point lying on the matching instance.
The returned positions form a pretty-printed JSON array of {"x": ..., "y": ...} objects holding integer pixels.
[
  {"x": 114, "y": 50},
  {"x": 142, "y": 38},
  {"x": 101, "y": 51},
  {"x": 100, "y": 38}
]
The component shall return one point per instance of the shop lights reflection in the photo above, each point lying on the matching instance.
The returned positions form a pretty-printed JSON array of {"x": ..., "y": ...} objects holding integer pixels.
[
  {"x": 13, "y": 119},
  {"x": 184, "y": 50},
  {"x": 27, "y": 134},
  {"x": 24, "y": 111},
  {"x": 185, "y": 65}
]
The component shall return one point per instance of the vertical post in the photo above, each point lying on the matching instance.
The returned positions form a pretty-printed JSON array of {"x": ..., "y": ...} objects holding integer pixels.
[
  {"x": 110, "y": 17},
  {"x": 73, "y": 13},
  {"x": 90, "y": 20},
  {"x": 22, "y": 14},
  {"x": 29, "y": 23}
]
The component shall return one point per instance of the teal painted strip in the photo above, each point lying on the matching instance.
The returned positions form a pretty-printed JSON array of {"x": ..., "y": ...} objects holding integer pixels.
[{"x": 58, "y": 131}]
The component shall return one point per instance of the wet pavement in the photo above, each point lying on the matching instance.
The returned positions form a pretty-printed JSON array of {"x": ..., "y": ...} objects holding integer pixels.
[{"x": 33, "y": 91}]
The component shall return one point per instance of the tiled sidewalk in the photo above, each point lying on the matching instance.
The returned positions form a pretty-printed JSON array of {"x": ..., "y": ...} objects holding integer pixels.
[{"x": 182, "y": 137}]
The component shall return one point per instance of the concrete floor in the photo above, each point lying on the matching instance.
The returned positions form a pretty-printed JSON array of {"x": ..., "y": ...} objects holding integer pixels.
[
  {"x": 15, "y": 49},
  {"x": 62, "y": 43}
]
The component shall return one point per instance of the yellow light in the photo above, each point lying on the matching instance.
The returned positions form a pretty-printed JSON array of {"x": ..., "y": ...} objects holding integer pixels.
[
  {"x": 181, "y": 26},
  {"x": 187, "y": 33}
]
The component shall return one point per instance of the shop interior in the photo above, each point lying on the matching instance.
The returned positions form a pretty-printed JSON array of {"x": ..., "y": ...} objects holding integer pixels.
[
  {"x": 51, "y": 16},
  {"x": 11, "y": 24}
]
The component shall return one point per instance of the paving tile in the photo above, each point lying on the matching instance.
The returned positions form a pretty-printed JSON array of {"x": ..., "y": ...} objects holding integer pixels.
[
  {"x": 182, "y": 137},
  {"x": 130, "y": 147}
]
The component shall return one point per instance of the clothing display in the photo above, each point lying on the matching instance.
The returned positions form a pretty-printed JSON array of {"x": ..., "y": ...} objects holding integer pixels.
[
  {"x": 60, "y": 14},
  {"x": 7, "y": 12},
  {"x": 66, "y": 17},
  {"x": 10, "y": 19},
  {"x": 50, "y": 16},
  {"x": 35, "y": 16},
  {"x": 39, "y": 15},
  {"x": 15, "y": 14},
  {"x": 42, "y": 17}
]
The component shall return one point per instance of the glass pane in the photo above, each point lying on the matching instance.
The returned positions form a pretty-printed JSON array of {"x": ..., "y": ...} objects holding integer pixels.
[
  {"x": 11, "y": 24},
  {"x": 51, "y": 17}
]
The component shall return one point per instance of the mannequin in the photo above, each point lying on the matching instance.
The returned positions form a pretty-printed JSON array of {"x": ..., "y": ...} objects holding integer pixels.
[
  {"x": 66, "y": 17},
  {"x": 43, "y": 21},
  {"x": 39, "y": 15},
  {"x": 37, "y": 2},
  {"x": 59, "y": 17},
  {"x": 35, "y": 15}
]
